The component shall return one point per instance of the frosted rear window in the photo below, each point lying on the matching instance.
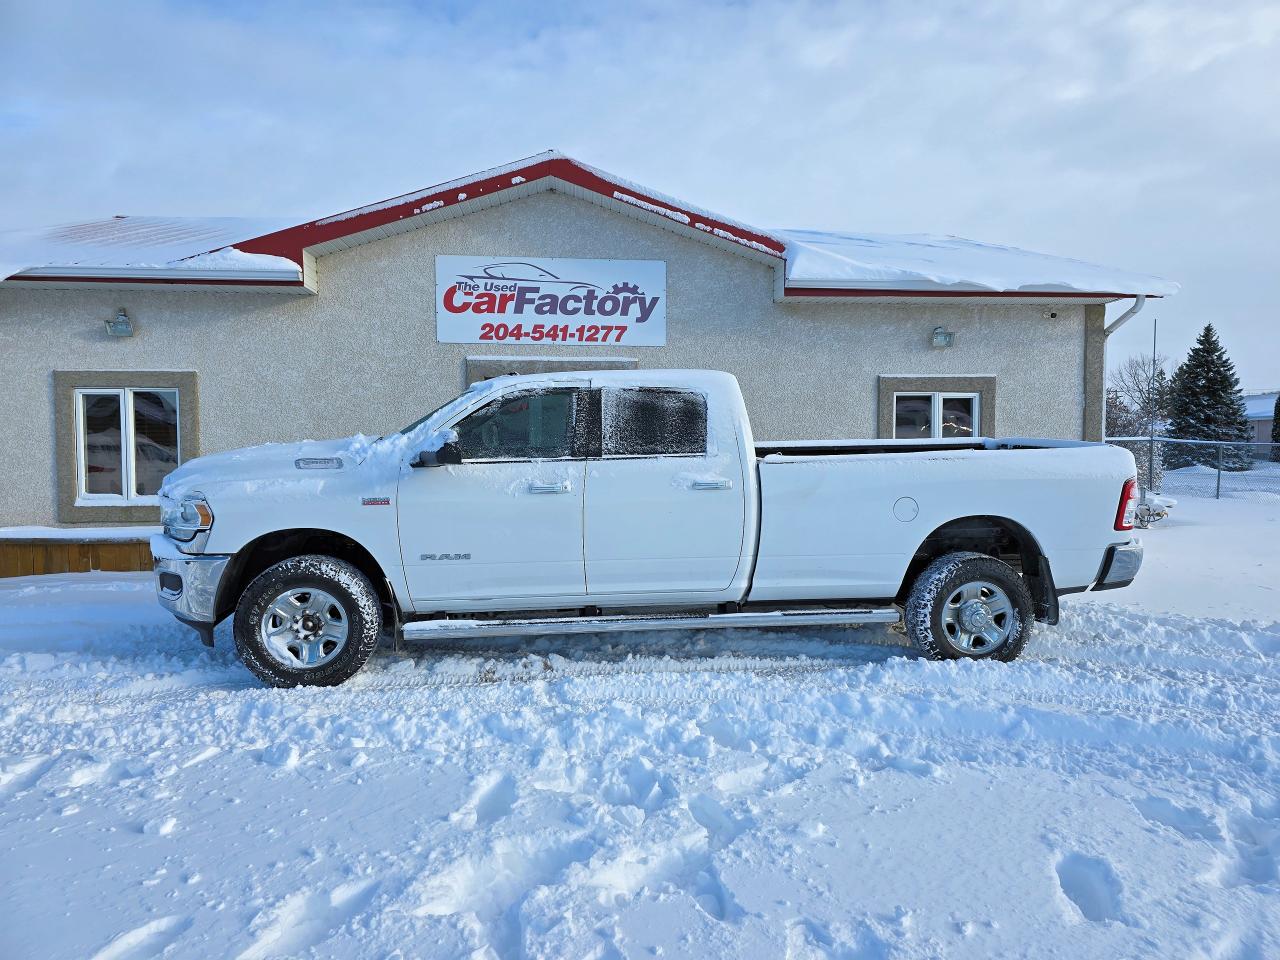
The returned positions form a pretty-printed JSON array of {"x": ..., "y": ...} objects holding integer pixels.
[{"x": 643, "y": 422}]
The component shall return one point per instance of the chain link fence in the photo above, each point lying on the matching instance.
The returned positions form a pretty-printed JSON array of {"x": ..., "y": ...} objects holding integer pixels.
[{"x": 1205, "y": 468}]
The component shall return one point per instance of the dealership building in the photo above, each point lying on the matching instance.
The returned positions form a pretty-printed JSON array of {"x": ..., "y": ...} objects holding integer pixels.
[{"x": 134, "y": 343}]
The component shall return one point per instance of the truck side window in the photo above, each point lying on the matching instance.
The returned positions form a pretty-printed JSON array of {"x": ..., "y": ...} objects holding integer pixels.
[
  {"x": 533, "y": 425},
  {"x": 654, "y": 422}
]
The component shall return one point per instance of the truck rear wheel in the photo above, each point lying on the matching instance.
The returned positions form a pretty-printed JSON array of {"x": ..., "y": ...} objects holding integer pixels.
[
  {"x": 307, "y": 621},
  {"x": 969, "y": 605}
]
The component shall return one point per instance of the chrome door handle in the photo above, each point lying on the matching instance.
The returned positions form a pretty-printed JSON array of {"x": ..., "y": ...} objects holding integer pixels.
[
  {"x": 561, "y": 487},
  {"x": 712, "y": 484}
]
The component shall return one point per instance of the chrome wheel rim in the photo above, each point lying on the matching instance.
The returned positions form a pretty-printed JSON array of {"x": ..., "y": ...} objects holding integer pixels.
[
  {"x": 978, "y": 617},
  {"x": 304, "y": 628}
]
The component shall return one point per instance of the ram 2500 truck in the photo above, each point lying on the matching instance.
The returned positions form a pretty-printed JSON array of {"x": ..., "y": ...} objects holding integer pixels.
[{"x": 594, "y": 501}]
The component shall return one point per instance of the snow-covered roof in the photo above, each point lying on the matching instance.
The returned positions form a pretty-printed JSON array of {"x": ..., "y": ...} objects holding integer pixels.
[
  {"x": 812, "y": 263},
  {"x": 1260, "y": 406},
  {"x": 925, "y": 262},
  {"x": 138, "y": 245}
]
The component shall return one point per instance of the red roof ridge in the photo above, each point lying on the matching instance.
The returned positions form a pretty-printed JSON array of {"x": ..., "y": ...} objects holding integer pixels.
[{"x": 292, "y": 241}]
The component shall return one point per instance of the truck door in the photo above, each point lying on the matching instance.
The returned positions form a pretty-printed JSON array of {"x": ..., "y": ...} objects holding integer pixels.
[
  {"x": 665, "y": 503},
  {"x": 506, "y": 523}
]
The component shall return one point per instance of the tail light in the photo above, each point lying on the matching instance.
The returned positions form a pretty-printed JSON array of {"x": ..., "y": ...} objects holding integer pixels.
[{"x": 1128, "y": 504}]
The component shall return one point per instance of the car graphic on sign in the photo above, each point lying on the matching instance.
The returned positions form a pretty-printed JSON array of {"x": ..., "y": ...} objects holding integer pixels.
[{"x": 519, "y": 270}]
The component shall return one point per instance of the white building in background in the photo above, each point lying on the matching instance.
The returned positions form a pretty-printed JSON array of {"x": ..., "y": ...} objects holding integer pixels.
[
  {"x": 1260, "y": 408},
  {"x": 134, "y": 343}
]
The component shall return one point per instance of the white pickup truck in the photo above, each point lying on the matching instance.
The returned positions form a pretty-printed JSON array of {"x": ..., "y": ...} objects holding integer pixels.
[{"x": 594, "y": 501}]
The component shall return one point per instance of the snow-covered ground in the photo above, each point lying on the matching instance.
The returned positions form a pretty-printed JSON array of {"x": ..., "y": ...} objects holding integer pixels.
[{"x": 1114, "y": 793}]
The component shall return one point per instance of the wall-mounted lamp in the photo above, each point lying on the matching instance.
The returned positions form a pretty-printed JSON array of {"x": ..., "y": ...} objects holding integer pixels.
[
  {"x": 120, "y": 325},
  {"x": 942, "y": 338}
]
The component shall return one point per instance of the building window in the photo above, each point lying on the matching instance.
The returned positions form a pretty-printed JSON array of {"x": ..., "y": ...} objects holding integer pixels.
[
  {"x": 934, "y": 416},
  {"x": 119, "y": 433},
  {"x": 935, "y": 407},
  {"x": 126, "y": 443}
]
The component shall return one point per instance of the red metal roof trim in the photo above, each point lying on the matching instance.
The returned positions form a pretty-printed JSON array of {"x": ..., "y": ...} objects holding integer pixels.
[
  {"x": 166, "y": 281},
  {"x": 291, "y": 241}
]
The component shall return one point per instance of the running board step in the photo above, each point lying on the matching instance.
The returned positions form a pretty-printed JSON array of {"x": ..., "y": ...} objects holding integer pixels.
[{"x": 456, "y": 629}]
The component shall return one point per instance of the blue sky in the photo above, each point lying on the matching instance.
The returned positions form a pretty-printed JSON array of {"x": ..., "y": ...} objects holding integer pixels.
[{"x": 1143, "y": 135}]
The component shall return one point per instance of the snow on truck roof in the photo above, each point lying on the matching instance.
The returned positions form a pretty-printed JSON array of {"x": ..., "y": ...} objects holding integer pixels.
[
  {"x": 270, "y": 251},
  {"x": 703, "y": 380}
]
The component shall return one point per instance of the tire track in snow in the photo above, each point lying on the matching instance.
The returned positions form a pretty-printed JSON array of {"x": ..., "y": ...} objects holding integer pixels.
[{"x": 969, "y": 699}]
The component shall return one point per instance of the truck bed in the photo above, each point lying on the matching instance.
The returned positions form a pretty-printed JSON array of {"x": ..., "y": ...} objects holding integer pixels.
[{"x": 836, "y": 523}]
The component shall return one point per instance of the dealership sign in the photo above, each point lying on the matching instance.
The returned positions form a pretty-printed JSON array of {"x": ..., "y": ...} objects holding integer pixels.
[{"x": 523, "y": 300}]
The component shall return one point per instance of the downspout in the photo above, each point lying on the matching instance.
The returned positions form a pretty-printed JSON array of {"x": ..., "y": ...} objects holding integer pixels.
[{"x": 1138, "y": 303}]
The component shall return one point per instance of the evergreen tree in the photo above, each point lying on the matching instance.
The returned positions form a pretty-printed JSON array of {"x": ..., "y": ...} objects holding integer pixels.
[
  {"x": 1275, "y": 431},
  {"x": 1162, "y": 394},
  {"x": 1206, "y": 404}
]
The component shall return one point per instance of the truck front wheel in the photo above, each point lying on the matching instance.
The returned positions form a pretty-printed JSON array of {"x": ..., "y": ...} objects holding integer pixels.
[
  {"x": 307, "y": 621},
  {"x": 969, "y": 605}
]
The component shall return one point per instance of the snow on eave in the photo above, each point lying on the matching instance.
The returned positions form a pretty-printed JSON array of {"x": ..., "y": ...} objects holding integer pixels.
[
  {"x": 152, "y": 247},
  {"x": 924, "y": 263},
  {"x": 694, "y": 212},
  {"x": 661, "y": 211},
  {"x": 231, "y": 258}
]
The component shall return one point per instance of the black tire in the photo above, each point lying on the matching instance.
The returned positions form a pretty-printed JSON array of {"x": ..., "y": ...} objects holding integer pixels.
[
  {"x": 357, "y": 602},
  {"x": 923, "y": 614}
]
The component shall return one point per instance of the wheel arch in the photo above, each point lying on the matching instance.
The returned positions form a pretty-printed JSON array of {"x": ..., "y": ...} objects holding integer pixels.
[
  {"x": 996, "y": 536},
  {"x": 271, "y": 548}
]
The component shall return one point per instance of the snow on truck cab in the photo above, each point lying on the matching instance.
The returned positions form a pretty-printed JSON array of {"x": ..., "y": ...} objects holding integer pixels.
[{"x": 631, "y": 500}]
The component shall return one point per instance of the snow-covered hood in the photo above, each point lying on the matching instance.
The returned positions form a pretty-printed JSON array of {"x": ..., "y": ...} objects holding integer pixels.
[{"x": 267, "y": 461}]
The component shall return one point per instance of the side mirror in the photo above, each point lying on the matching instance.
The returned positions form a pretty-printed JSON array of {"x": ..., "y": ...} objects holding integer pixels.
[{"x": 449, "y": 454}]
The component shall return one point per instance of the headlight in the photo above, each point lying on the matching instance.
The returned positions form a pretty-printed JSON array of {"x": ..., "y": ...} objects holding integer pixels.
[{"x": 184, "y": 520}]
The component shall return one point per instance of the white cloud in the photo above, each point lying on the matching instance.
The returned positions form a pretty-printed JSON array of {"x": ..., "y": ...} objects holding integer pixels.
[{"x": 1143, "y": 136}]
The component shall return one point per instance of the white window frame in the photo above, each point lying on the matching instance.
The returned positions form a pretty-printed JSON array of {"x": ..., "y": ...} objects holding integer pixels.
[
  {"x": 128, "y": 446},
  {"x": 935, "y": 410}
]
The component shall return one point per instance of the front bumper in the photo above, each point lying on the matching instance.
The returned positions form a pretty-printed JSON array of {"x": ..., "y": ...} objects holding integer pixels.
[
  {"x": 187, "y": 584},
  {"x": 1120, "y": 564}
]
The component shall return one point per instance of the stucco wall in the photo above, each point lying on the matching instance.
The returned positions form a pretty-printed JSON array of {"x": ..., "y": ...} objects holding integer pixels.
[{"x": 361, "y": 355}]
